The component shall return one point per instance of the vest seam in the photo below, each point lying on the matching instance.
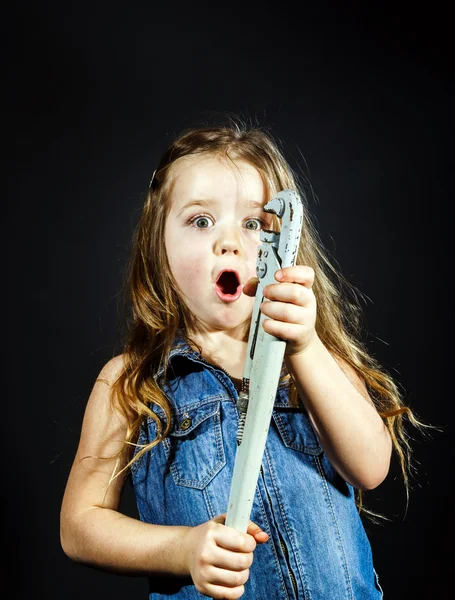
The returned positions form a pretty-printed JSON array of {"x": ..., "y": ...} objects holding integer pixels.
[
  {"x": 335, "y": 522},
  {"x": 277, "y": 560},
  {"x": 208, "y": 503},
  {"x": 286, "y": 524}
]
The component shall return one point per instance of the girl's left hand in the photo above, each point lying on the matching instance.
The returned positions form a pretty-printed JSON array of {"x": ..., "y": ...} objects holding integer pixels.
[{"x": 290, "y": 306}]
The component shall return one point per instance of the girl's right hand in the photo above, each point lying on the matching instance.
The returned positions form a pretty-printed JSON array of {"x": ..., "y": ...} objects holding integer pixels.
[{"x": 218, "y": 557}]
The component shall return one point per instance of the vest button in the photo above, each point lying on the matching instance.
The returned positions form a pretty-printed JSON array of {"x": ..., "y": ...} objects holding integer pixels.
[{"x": 185, "y": 423}]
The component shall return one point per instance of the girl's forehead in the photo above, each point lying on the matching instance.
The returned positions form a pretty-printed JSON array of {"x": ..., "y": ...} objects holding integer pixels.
[
  {"x": 209, "y": 175},
  {"x": 200, "y": 165}
]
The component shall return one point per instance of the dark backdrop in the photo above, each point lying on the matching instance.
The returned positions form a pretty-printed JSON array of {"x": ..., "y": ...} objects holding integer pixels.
[{"x": 361, "y": 99}]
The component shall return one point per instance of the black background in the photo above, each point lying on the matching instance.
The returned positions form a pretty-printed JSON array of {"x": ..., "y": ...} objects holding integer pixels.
[{"x": 361, "y": 98}]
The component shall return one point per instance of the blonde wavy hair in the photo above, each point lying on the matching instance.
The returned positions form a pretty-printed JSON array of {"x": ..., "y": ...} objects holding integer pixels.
[{"x": 158, "y": 312}]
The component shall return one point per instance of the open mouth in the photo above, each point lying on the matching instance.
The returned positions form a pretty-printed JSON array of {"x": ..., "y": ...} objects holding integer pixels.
[{"x": 228, "y": 286}]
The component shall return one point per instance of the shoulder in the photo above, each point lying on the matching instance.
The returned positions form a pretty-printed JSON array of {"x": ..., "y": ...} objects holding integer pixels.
[
  {"x": 111, "y": 370},
  {"x": 100, "y": 401}
]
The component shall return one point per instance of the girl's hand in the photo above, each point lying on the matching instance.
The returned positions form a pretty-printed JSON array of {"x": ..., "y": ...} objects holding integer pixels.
[
  {"x": 218, "y": 557},
  {"x": 290, "y": 306}
]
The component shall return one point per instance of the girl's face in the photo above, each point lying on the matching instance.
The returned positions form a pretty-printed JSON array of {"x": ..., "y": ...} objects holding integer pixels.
[{"x": 212, "y": 237}]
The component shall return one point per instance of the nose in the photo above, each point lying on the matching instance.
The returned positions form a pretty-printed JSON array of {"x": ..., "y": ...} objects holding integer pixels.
[
  {"x": 228, "y": 241},
  {"x": 229, "y": 246}
]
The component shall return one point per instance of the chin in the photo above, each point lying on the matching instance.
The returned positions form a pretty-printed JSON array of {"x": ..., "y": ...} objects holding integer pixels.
[{"x": 235, "y": 323}]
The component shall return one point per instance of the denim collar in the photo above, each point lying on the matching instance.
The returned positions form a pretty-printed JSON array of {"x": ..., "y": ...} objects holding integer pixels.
[{"x": 180, "y": 347}]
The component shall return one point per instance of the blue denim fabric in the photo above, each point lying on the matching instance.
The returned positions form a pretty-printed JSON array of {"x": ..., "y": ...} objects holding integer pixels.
[{"x": 317, "y": 549}]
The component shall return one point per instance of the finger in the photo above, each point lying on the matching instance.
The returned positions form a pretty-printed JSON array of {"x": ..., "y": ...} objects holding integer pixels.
[
  {"x": 284, "y": 312},
  {"x": 250, "y": 286},
  {"x": 227, "y": 577},
  {"x": 224, "y": 592},
  {"x": 285, "y": 331},
  {"x": 230, "y": 539},
  {"x": 233, "y": 561},
  {"x": 297, "y": 274},
  {"x": 289, "y": 292},
  {"x": 259, "y": 535}
]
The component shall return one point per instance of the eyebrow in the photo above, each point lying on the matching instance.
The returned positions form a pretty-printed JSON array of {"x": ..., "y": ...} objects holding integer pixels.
[{"x": 201, "y": 202}]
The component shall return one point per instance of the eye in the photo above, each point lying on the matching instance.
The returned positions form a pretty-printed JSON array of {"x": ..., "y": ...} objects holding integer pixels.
[
  {"x": 201, "y": 222},
  {"x": 254, "y": 224}
]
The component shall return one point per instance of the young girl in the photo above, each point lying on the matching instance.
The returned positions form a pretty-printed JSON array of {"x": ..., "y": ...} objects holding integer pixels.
[{"x": 164, "y": 411}]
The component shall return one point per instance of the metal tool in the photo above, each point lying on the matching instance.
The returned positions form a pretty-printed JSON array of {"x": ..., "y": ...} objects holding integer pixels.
[{"x": 264, "y": 360}]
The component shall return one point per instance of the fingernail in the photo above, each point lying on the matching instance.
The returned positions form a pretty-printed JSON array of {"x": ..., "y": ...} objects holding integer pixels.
[{"x": 279, "y": 275}]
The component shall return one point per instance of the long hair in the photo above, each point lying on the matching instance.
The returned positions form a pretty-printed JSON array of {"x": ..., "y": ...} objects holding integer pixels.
[{"x": 158, "y": 311}]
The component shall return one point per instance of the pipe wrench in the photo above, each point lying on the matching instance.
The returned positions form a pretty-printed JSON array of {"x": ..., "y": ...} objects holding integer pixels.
[{"x": 265, "y": 354}]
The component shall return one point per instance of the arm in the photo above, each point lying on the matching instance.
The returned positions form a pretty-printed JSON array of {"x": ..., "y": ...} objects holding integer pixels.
[
  {"x": 353, "y": 435},
  {"x": 92, "y": 530}
]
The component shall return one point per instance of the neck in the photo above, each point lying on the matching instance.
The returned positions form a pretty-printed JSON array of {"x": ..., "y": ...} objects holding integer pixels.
[{"x": 222, "y": 349}]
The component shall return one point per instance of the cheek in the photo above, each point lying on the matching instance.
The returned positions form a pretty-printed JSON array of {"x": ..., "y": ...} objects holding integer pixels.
[
  {"x": 176, "y": 254},
  {"x": 186, "y": 271}
]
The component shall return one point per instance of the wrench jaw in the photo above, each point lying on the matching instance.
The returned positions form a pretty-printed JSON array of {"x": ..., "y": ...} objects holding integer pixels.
[{"x": 276, "y": 206}]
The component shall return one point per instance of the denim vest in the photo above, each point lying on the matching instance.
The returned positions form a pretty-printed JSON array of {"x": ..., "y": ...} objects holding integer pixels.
[{"x": 317, "y": 547}]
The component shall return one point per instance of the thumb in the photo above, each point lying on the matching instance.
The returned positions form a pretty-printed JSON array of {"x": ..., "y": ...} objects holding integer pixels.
[
  {"x": 220, "y": 518},
  {"x": 259, "y": 534},
  {"x": 253, "y": 529},
  {"x": 250, "y": 286}
]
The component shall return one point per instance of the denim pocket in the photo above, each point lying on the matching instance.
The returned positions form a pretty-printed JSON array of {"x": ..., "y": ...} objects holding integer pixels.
[
  {"x": 294, "y": 426},
  {"x": 195, "y": 444}
]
